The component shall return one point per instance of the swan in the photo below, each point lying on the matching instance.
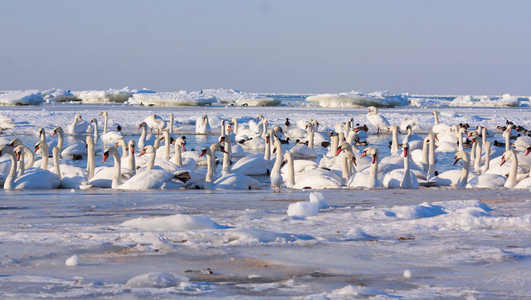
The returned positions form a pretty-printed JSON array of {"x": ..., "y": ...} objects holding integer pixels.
[
  {"x": 377, "y": 120},
  {"x": 109, "y": 137},
  {"x": 202, "y": 126},
  {"x": 303, "y": 151},
  {"x": 402, "y": 178},
  {"x": 367, "y": 179},
  {"x": 312, "y": 179},
  {"x": 33, "y": 178},
  {"x": 276, "y": 177},
  {"x": 75, "y": 151},
  {"x": 439, "y": 127},
  {"x": 155, "y": 122},
  {"x": 231, "y": 181},
  {"x": 29, "y": 162},
  {"x": 394, "y": 139},
  {"x": 413, "y": 139},
  {"x": 78, "y": 126},
  {"x": 457, "y": 178},
  {"x": 94, "y": 124},
  {"x": 253, "y": 165},
  {"x": 451, "y": 142},
  {"x": 145, "y": 138},
  {"x": 43, "y": 146},
  {"x": 104, "y": 176}
]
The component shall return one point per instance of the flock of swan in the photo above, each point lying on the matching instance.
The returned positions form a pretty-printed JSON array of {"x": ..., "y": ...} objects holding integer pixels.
[{"x": 284, "y": 156}]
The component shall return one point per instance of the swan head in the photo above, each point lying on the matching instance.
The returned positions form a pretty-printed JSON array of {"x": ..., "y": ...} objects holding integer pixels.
[
  {"x": 181, "y": 142},
  {"x": 108, "y": 152},
  {"x": 460, "y": 155},
  {"x": 149, "y": 149},
  {"x": 506, "y": 156},
  {"x": 57, "y": 130},
  {"x": 15, "y": 142},
  {"x": 38, "y": 146},
  {"x": 131, "y": 146},
  {"x": 6, "y": 150},
  {"x": 528, "y": 150},
  {"x": 204, "y": 152},
  {"x": 42, "y": 132}
]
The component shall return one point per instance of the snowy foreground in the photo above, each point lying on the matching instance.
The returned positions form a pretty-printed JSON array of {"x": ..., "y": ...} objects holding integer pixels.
[{"x": 432, "y": 242}]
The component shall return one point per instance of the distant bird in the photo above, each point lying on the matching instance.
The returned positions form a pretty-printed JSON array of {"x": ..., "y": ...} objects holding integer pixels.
[{"x": 287, "y": 123}]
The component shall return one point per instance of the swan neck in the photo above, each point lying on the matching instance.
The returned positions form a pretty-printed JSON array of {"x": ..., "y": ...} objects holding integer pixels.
[
  {"x": 511, "y": 180},
  {"x": 394, "y": 141},
  {"x": 117, "y": 170},
  {"x": 10, "y": 180},
  {"x": 227, "y": 156},
  {"x": 291, "y": 170},
  {"x": 436, "y": 117},
  {"x": 464, "y": 173},
  {"x": 178, "y": 157},
  {"x": 56, "y": 167},
  {"x": 90, "y": 158}
]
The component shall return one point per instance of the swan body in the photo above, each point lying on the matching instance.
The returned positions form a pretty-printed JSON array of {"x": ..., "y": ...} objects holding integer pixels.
[
  {"x": 78, "y": 126},
  {"x": 202, "y": 126},
  {"x": 402, "y": 178},
  {"x": 155, "y": 122}
]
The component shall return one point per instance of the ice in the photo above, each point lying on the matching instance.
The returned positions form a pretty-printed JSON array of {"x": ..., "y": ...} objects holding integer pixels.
[
  {"x": 29, "y": 97},
  {"x": 174, "y": 222},
  {"x": 181, "y": 98},
  {"x": 505, "y": 100},
  {"x": 435, "y": 242},
  {"x": 357, "y": 99},
  {"x": 303, "y": 209}
]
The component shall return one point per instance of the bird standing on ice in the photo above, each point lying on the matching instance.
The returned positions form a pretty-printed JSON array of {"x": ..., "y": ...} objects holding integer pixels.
[{"x": 377, "y": 120}]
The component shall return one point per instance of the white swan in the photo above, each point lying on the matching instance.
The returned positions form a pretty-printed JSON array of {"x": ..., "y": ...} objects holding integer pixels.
[
  {"x": 202, "y": 126},
  {"x": 145, "y": 138},
  {"x": 377, "y": 120},
  {"x": 367, "y": 178},
  {"x": 231, "y": 181},
  {"x": 74, "y": 151},
  {"x": 402, "y": 178},
  {"x": 252, "y": 165},
  {"x": 78, "y": 126},
  {"x": 109, "y": 137},
  {"x": 312, "y": 179},
  {"x": 394, "y": 139},
  {"x": 33, "y": 178},
  {"x": 439, "y": 127},
  {"x": 457, "y": 178},
  {"x": 276, "y": 177},
  {"x": 155, "y": 122}
]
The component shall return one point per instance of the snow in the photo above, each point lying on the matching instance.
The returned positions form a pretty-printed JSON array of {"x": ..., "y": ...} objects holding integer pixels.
[
  {"x": 435, "y": 242},
  {"x": 29, "y": 97},
  {"x": 357, "y": 99}
]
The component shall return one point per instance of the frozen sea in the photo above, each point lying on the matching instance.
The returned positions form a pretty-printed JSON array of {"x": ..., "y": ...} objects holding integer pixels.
[{"x": 434, "y": 242}]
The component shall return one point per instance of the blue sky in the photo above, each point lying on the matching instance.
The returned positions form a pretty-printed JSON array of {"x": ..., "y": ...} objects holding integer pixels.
[{"x": 438, "y": 47}]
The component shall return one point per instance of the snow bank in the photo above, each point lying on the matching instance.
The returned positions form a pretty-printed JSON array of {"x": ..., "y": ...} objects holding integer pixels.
[
  {"x": 241, "y": 236},
  {"x": 181, "y": 98},
  {"x": 155, "y": 280},
  {"x": 59, "y": 95},
  {"x": 505, "y": 100},
  {"x": 357, "y": 99},
  {"x": 173, "y": 222},
  {"x": 318, "y": 198},
  {"x": 29, "y": 97},
  {"x": 111, "y": 95},
  {"x": 303, "y": 209}
]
